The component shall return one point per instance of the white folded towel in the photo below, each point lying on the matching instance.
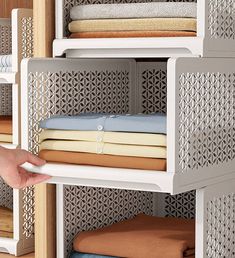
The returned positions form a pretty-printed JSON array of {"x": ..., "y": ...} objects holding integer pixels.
[
  {"x": 5, "y": 60},
  {"x": 134, "y": 10}
]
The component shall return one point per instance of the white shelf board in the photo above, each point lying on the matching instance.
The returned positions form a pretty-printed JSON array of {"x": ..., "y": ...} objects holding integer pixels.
[
  {"x": 10, "y": 78},
  {"x": 8, "y": 146},
  {"x": 156, "y": 181},
  {"x": 128, "y": 47}
]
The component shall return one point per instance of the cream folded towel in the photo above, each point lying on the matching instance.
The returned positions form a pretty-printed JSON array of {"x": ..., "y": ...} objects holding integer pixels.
[
  {"x": 153, "y": 24},
  {"x": 133, "y": 10}
]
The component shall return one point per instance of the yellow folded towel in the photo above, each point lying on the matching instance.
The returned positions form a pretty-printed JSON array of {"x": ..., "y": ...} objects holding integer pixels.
[{"x": 150, "y": 24}]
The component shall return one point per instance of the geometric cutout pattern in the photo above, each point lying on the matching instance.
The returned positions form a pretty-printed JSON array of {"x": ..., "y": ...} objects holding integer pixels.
[
  {"x": 68, "y": 4},
  {"x": 71, "y": 93},
  {"x": 27, "y": 37},
  {"x": 180, "y": 205},
  {"x": 154, "y": 91},
  {"x": 6, "y": 195},
  {"x": 221, "y": 227},
  {"x": 5, "y": 99},
  {"x": 87, "y": 208},
  {"x": 28, "y": 212},
  {"x": 5, "y": 40},
  {"x": 206, "y": 120},
  {"x": 222, "y": 19}
]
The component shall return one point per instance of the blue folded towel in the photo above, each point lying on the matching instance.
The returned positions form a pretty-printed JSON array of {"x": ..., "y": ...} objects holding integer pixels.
[
  {"x": 81, "y": 255},
  {"x": 153, "y": 123}
]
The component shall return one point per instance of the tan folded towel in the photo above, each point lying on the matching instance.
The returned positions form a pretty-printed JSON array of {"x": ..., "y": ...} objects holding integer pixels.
[
  {"x": 6, "y": 220},
  {"x": 143, "y": 236},
  {"x": 153, "y": 24},
  {"x": 6, "y": 138},
  {"x": 103, "y": 160},
  {"x": 5, "y": 125},
  {"x": 132, "y": 34}
]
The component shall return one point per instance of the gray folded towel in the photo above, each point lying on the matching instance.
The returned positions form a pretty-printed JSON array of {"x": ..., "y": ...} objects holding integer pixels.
[
  {"x": 134, "y": 10},
  {"x": 5, "y": 60}
]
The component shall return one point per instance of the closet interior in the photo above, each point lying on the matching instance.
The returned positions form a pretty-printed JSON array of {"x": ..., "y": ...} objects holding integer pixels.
[{"x": 16, "y": 206}]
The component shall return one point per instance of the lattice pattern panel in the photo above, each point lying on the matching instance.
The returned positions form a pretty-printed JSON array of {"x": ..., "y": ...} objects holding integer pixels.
[
  {"x": 87, "y": 208},
  {"x": 72, "y": 93},
  {"x": 180, "y": 205},
  {"x": 221, "y": 227},
  {"x": 5, "y": 99},
  {"x": 28, "y": 212},
  {"x": 5, "y": 40},
  {"x": 68, "y": 4},
  {"x": 153, "y": 89},
  {"x": 206, "y": 119},
  {"x": 222, "y": 19},
  {"x": 6, "y": 195},
  {"x": 27, "y": 37}
]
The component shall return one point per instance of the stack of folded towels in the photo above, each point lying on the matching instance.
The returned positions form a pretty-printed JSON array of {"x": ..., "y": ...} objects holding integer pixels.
[
  {"x": 5, "y": 63},
  {"x": 122, "y": 141},
  {"x": 5, "y": 129},
  {"x": 143, "y": 236},
  {"x": 6, "y": 223},
  {"x": 154, "y": 19}
]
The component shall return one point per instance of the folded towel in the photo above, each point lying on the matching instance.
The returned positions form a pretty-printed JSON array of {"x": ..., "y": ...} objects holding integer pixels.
[
  {"x": 5, "y": 60},
  {"x": 105, "y": 148},
  {"x": 6, "y": 220},
  {"x": 154, "y": 123},
  {"x": 132, "y": 34},
  {"x": 145, "y": 139},
  {"x": 5, "y": 234},
  {"x": 5, "y": 125},
  {"x": 79, "y": 158},
  {"x": 81, "y": 255},
  {"x": 7, "y": 138},
  {"x": 133, "y": 10},
  {"x": 143, "y": 236},
  {"x": 153, "y": 24},
  {"x": 5, "y": 69}
]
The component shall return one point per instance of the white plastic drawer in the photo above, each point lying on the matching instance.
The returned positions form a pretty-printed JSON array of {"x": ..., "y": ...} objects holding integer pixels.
[
  {"x": 198, "y": 95},
  {"x": 215, "y": 35}
]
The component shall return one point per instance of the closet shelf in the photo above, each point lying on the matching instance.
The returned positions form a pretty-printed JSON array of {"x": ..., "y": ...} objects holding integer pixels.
[
  {"x": 128, "y": 47},
  {"x": 10, "y": 78}
]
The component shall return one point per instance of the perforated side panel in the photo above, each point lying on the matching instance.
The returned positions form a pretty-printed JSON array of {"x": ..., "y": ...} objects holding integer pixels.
[
  {"x": 6, "y": 195},
  {"x": 180, "y": 205},
  {"x": 221, "y": 227},
  {"x": 5, "y": 39},
  {"x": 68, "y": 4},
  {"x": 152, "y": 87},
  {"x": 27, "y": 37},
  {"x": 222, "y": 19},
  {"x": 206, "y": 119},
  {"x": 28, "y": 212},
  {"x": 90, "y": 208},
  {"x": 5, "y": 99}
]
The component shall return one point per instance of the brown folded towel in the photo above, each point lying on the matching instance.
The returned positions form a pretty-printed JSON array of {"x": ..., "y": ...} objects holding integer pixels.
[
  {"x": 5, "y": 125},
  {"x": 143, "y": 236},
  {"x": 5, "y": 234},
  {"x": 6, "y": 220},
  {"x": 103, "y": 160},
  {"x": 132, "y": 34}
]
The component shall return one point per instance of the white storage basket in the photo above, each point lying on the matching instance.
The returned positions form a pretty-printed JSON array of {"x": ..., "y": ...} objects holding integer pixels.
[
  {"x": 196, "y": 92},
  {"x": 20, "y": 45},
  {"x": 85, "y": 208},
  {"x": 215, "y": 35}
]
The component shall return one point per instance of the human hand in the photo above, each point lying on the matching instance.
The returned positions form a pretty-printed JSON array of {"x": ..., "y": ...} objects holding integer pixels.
[{"x": 12, "y": 172}]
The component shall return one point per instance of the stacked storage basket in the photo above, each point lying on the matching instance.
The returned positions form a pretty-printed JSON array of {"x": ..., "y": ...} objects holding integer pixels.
[
  {"x": 16, "y": 39},
  {"x": 174, "y": 76}
]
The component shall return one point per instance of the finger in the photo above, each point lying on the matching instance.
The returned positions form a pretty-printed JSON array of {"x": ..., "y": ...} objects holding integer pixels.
[
  {"x": 36, "y": 179},
  {"x": 30, "y": 158}
]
